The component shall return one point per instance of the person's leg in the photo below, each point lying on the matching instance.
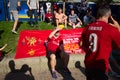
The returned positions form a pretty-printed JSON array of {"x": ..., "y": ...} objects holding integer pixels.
[
  {"x": 114, "y": 63},
  {"x": 78, "y": 24},
  {"x": 11, "y": 16},
  {"x": 46, "y": 20},
  {"x": 70, "y": 24},
  {"x": 89, "y": 76},
  {"x": 15, "y": 25},
  {"x": 65, "y": 23},
  {"x": 53, "y": 61},
  {"x": 43, "y": 16},
  {"x": 110, "y": 69},
  {"x": 31, "y": 17},
  {"x": 50, "y": 20},
  {"x": 95, "y": 74},
  {"x": 53, "y": 64},
  {"x": 36, "y": 17},
  {"x": 100, "y": 75},
  {"x": 15, "y": 15}
]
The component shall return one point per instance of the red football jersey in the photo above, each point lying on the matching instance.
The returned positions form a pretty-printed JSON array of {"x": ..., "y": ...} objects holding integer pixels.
[
  {"x": 97, "y": 43},
  {"x": 53, "y": 44}
]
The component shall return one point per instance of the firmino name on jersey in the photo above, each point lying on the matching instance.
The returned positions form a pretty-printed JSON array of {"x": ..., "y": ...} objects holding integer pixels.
[{"x": 99, "y": 28}]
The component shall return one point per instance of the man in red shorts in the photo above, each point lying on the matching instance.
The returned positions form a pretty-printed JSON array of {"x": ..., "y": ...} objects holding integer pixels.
[{"x": 97, "y": 39}]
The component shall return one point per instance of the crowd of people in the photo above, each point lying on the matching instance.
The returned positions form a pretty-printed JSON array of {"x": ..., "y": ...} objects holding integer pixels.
[
  {"x": 52, "y": 13},
  {"x": 97, "y": 37}
]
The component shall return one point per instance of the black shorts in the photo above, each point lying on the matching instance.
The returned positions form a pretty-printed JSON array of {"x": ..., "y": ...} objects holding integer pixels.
[
  {"x": 50, "y": 52},
  {"x": 57, "y": 53},
  {"x": 96, "y": 74}
]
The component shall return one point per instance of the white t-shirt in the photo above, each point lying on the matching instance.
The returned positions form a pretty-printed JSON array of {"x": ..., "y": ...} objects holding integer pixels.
[
  {"x": 33, "y": 4},
  {"x": 48, "y": 5}
]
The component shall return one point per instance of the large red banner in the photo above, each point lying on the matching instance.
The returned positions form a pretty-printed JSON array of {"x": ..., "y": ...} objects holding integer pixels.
[
  {"x": 71, "y": 41},
  {"x": 31, "y": 42}
]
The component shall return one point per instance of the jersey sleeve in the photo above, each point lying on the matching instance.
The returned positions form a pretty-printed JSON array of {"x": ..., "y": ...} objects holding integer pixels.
[{"x": 115, "y": 35}]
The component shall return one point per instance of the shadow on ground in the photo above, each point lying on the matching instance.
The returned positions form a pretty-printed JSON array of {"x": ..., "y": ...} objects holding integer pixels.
[
  {"x": 78, "y": 65},
  {"x": 66, "y": 74},
  {"x": 19, "y": 74}
]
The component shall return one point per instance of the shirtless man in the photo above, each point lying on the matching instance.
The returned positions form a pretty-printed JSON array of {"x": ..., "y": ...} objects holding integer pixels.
[{"x": 61, "y": 18}]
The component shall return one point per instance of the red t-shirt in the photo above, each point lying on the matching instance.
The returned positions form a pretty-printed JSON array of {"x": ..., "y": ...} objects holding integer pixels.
[
  {"x": 53, "y": 44},
  {"x": 47, "y": 15},
  {"x": 97, "y": 43}
]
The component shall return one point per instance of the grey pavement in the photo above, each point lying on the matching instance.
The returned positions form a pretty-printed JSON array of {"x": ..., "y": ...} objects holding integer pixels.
[{"x": 39, "y": 70}]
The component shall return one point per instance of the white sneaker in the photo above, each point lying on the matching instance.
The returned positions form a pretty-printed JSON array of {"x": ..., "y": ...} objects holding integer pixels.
[{"x": 13, "y": 31}]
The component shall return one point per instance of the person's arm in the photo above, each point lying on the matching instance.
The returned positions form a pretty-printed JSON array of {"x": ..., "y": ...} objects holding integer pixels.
[
  {"x": 56, "y": 16},
  {"x": 37, "y": 4},
  {"x": 78, "y": 19},
  {"x": 115, "y": 33},
  {"x": 115, "y": 23},
  {"x": 65, "y": 17},
  {"x": 3, "y": 47},
  {"x": 52, "y": 16},
  {"x": 19, "y": 3},
  {"x": 9, "y": 4},
  {"x": 52, "y": 33},
  {"x": 28, "y": 3}
]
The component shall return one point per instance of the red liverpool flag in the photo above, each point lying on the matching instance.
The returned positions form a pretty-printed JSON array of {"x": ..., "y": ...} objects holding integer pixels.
[{"x": 31, "y": 43}]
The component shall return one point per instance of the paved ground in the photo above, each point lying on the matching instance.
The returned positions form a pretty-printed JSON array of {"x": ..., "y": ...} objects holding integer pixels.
[{"x": 38, "y": 69}]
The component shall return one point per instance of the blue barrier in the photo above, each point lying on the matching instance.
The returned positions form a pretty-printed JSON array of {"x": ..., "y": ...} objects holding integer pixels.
[{"x": 2, "y": 10}]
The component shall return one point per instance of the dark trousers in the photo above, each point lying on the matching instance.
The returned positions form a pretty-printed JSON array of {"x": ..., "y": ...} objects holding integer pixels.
[
  {"x": 96, "y": 74},
  {"x": 33, "y": 12}
]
